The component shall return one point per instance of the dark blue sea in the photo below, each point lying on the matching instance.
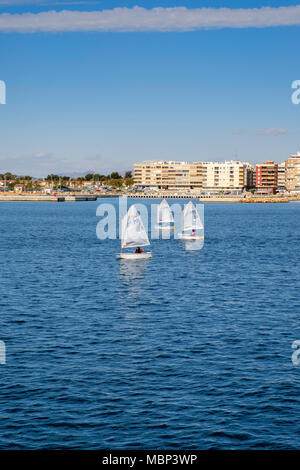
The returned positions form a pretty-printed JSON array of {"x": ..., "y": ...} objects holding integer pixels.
[{"x": 188, "y": 350}]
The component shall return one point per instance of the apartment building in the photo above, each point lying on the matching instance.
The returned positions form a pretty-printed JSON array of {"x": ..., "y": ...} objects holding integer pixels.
[
  {"x": 210, "y": 176},
  {"x": 233, "y": 176},
  {"x": 281, "y": 185},
  {"x": 292, "y": 173},
  {"x": 267, "y": 177},
  {"x": 168, "y": 175}
]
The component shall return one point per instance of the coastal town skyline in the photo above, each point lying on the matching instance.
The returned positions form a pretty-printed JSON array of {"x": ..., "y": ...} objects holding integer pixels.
[
  {"x": 102, "y": 100},
  {"x": 232, "y": 176}
]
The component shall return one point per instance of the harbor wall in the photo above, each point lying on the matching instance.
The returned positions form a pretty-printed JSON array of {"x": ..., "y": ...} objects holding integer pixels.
[{"x": 246, "y": 199}]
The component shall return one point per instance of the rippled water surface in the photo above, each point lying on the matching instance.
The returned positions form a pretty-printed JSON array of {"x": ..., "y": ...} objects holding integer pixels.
[{"x": 191, "y": 349}]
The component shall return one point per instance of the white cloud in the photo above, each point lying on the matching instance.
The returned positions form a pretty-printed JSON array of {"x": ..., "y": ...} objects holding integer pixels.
[
  {"x": 156, "y": 19},
  {"x": 272, "y": 131},
  {"x": 42, "y": 155},
  {"x": 240, "y": 132}
]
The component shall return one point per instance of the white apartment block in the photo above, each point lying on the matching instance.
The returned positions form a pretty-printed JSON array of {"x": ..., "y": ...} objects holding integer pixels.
[
  {"x": 292, "y": 173},
  {"x": 214, "y": 176},
  {"x": 229, "y": 175},
  {"x": 168, "y": 175}
]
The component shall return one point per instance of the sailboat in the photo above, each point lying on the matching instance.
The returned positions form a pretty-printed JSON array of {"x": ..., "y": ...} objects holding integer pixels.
[
  {"x": 133, "y": 235},
  {"x": 190, "y": 223},
  {"x": 164, "y": 216}
]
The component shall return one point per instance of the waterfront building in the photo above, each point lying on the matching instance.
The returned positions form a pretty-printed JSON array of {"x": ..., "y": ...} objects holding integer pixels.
[
  {"x": 281, "y": 185},
  {"x": 232, "y": 176},
  {"x": 292, "y": 166},
  {"x": 266, "y": 177},
  {"x": 18, "y": 188},
  {"x": 229, "y": 176},
  {"x": 168, "y": 175}
]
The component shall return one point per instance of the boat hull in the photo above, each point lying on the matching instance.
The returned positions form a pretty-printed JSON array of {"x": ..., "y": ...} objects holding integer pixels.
[
  {"x": 135, "y": 256},
  {"x": 162, "y": 227},
  {"x": 190, "y": 237}
]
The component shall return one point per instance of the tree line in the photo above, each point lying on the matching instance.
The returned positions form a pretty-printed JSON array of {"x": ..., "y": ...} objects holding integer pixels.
[{"x": 114, "y": 179}]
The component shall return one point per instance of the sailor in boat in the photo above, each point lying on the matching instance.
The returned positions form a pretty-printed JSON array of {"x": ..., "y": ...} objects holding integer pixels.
[
  {"x": 133, "y": 235},
  {"x": 193, "y": 233}
]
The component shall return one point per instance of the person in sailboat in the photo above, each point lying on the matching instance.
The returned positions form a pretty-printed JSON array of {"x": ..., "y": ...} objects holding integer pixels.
[
  {"x": 138, "y": 250},
  {"x": 193, "y": 233}
]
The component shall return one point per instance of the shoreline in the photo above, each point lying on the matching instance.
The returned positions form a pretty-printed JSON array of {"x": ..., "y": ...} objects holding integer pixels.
[{"x": 94, "y": 197}]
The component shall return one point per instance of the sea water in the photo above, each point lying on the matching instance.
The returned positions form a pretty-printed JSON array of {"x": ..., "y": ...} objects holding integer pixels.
[{"x": 189, "y": 350}]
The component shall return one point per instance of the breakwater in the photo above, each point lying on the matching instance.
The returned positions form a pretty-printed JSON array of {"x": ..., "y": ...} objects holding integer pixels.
[
  {"x": 49, "y": 198},
  {"x": 25, "y": 197}
]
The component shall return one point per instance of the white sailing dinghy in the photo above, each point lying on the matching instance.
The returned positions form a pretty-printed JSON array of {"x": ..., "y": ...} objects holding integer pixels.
[
  {"x": 164, "y": 216},
  {"x": 133, "y": 235},
  {"x": 191, "y": 222}
]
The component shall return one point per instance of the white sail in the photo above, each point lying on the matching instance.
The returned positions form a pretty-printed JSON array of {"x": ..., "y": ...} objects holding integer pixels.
[
  {"x": 164, "y": 213},
  {"x": 133, "y": 232},
  {"x": 191, "y": 218}
]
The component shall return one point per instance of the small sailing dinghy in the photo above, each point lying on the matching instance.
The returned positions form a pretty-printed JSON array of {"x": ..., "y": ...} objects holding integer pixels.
[
  {"x": 191, "y": 222},
  {"x": 164, "y": 216},
  {"x": 133, "y": 235}
]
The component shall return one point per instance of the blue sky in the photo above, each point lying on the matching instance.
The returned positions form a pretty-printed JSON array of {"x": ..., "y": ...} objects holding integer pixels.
[{"x": 100, "y": 100}]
